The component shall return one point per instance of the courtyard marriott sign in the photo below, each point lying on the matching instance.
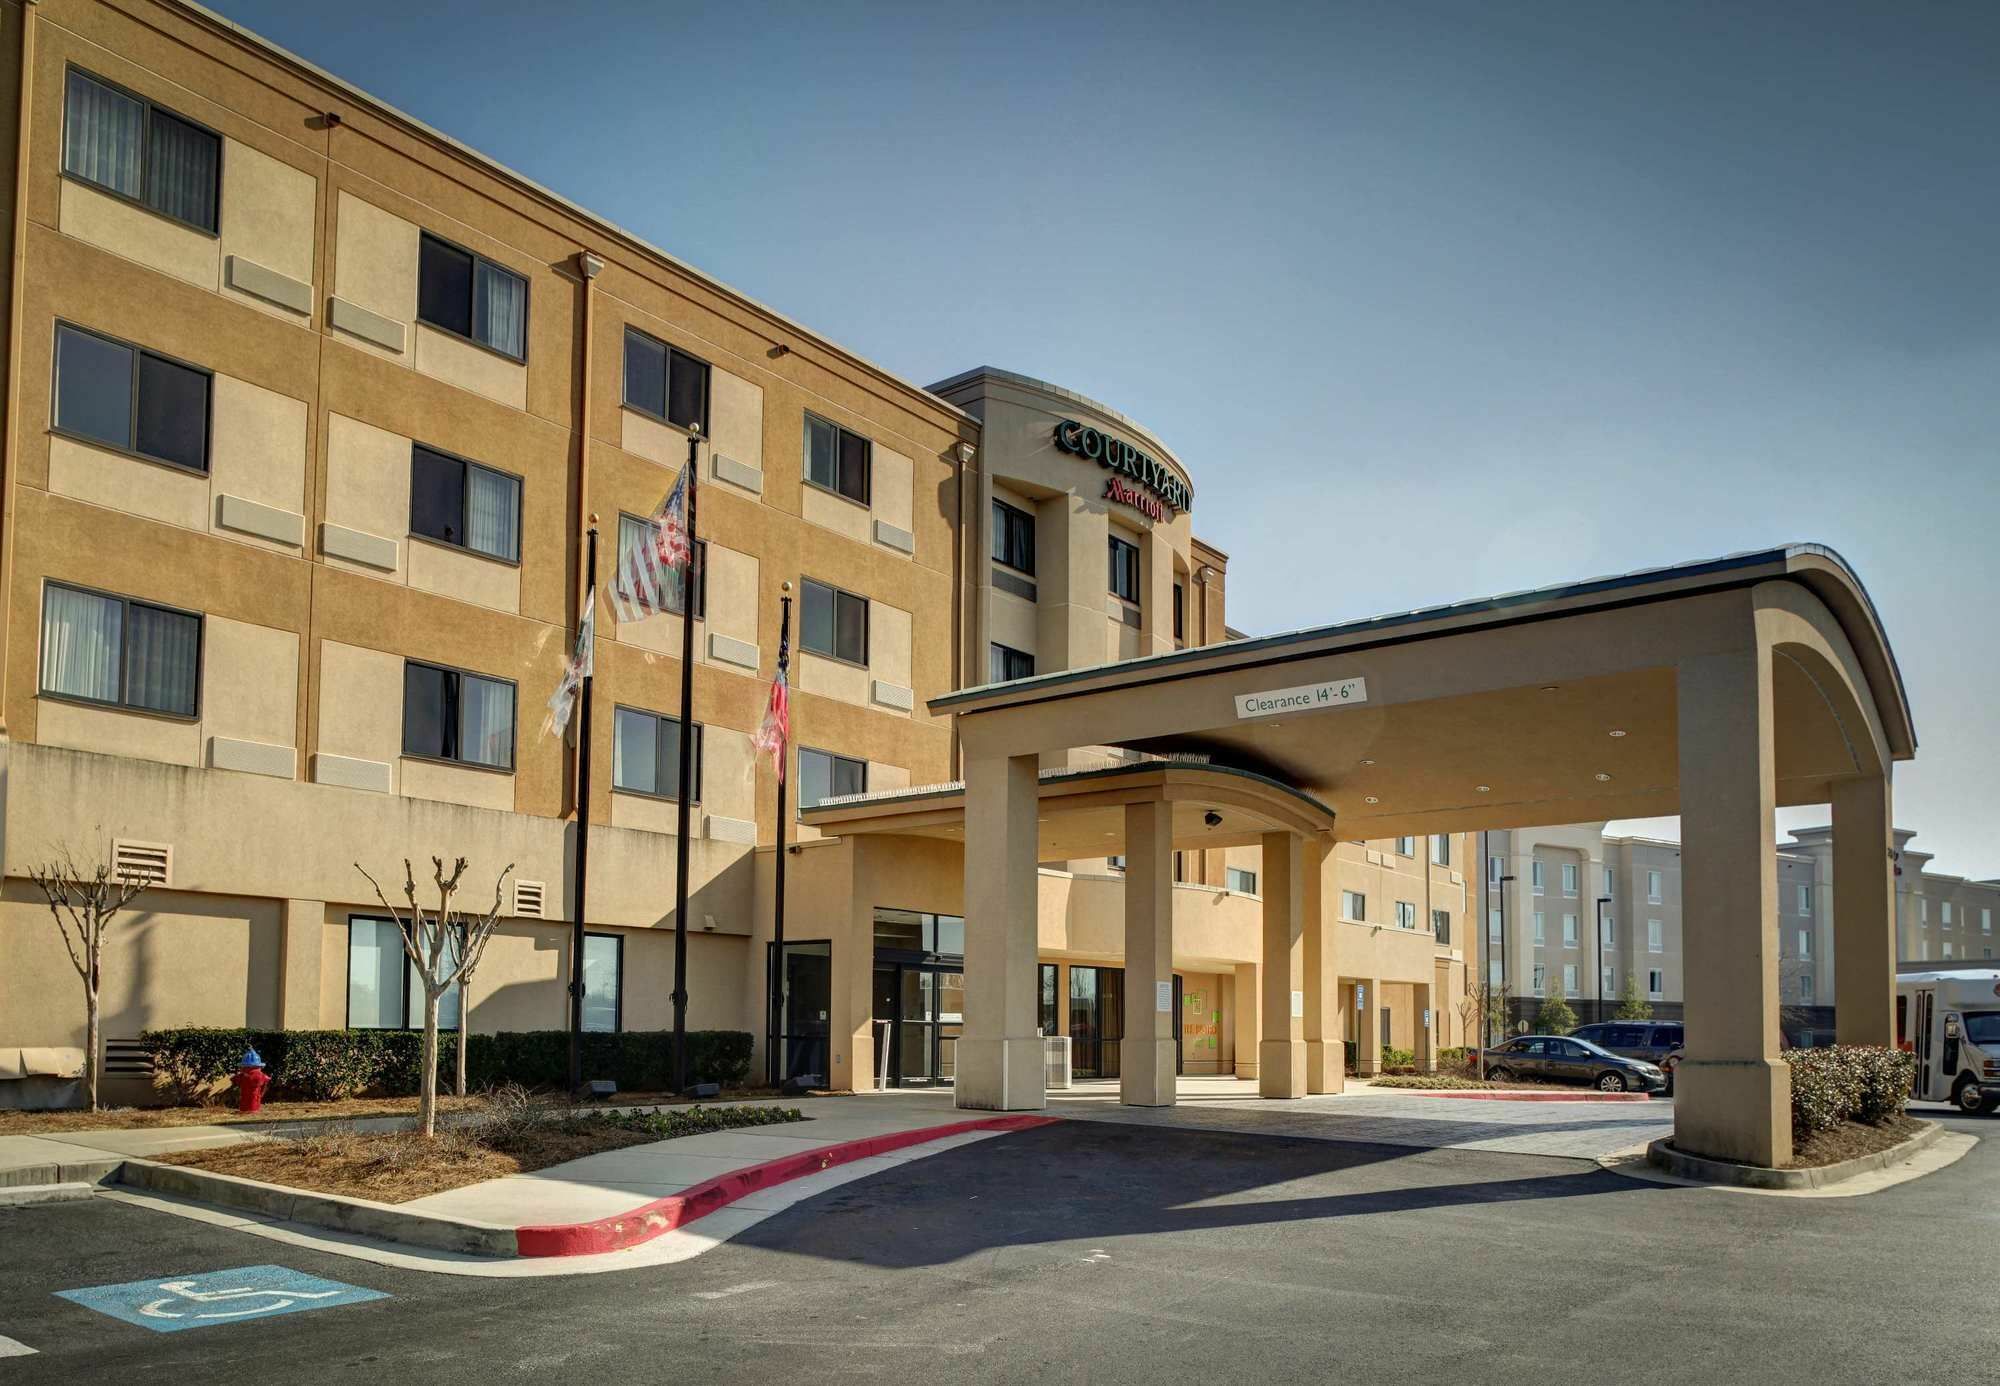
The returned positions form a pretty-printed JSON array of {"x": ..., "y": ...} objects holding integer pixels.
[
  {"x": 1307, "y": 697},
  {"x": 1159, "y": 488}
]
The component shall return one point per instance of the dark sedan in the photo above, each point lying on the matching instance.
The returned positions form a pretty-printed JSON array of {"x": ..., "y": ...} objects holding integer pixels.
[{"x": 1561, "y": 1059}]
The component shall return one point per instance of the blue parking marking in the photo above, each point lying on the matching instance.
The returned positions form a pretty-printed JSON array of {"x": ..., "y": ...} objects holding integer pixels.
[{"x": 214, "y": 1298}]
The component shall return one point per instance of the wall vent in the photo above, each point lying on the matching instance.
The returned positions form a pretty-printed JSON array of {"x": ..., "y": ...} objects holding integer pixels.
[
  {"x": 127, "y": 1058},
  {"x": 528, "y": 899},
  {"x": 150, "y": 862}
]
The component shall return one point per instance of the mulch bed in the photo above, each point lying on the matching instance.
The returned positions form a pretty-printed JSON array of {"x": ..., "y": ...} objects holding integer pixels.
[{"x": 1850, "y": 1141}]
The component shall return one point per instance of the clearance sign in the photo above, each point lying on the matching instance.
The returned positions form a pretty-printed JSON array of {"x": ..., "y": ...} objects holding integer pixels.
[{"x": 1158, "y": 490}]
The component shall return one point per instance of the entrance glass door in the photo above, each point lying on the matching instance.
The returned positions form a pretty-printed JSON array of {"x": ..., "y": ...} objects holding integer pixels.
[
  {"x": 805, "y": 1010},
  {"x": 1096, "y": 1020}
]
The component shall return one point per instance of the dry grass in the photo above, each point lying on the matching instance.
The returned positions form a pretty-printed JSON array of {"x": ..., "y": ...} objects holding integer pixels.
[
  {"x": 1851, "y": 1140},
  {"x": 15, "y": 1123}
]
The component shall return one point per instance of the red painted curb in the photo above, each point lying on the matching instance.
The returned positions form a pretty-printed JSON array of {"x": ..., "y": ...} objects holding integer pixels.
[
  {"x": 1513, "y": 1095},
  {"x": 648, "y": 1221}
]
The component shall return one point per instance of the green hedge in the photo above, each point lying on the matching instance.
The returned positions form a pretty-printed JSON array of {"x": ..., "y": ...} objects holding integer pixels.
[
  {"x": 1849, "y": 1082},
  {"x": 194, "y": 1064}
]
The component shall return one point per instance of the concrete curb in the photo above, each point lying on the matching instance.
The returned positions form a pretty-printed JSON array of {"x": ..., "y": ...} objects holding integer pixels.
[
  {"x": 1515, "y": 1095},
  {"x": 23, "y": 1195},
  {"x": 67, "y": 1172},
  {"x": 1662, "y": 1155},
  {"x": 388, "y": 1222}
]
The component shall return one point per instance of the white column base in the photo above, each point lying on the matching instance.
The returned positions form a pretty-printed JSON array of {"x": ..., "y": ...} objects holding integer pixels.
[
  {"x": 1001, "y": 1075},
  {"x": 1281, "y": 1068},
  {"x": 1137, "y": 1087}
]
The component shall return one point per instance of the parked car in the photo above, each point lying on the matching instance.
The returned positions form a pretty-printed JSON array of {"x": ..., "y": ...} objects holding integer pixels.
[
  {"x": 1566, "y": 1059},
  {"x": 1656, "y": 1041}
]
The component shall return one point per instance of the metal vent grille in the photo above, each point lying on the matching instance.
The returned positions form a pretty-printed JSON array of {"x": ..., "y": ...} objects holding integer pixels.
[
  {"x": 151, "y": 862},
  {"x": 1055, "y": 1062},
  {"x": 528, "y": 899},
  {"x": 127, "y": 1058}
]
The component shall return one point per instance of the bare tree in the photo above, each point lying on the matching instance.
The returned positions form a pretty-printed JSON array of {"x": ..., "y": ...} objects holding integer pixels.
[
  {"x": 1481, "y": 1001},
  {"x": 84, "y": 902},
  {"x": 445, "y": 947}
]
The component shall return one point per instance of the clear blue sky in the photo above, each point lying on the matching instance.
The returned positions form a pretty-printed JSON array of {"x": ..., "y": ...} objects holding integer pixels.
[{"x": 1435, "y": 300}]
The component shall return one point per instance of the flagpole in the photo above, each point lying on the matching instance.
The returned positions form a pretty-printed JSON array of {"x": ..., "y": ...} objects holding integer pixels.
[
  {"x": 686, "y": 788},
  {"x": 582, "y": 831},
  {"x": 775, "y": 982}
]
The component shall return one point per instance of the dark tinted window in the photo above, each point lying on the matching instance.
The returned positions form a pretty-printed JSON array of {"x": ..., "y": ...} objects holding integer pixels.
[
  {"x": 452, "y": 715},
  {"x": 128, "y": 146},
  {"x": 182, "y": 164},
  {"x": 1007, "y": 663},
  {"x": 823, "y": 775},
  {"x": 1013, "y": 537},
  {"x": 646, "y": 755},
  {"x": 833, "y": 623},
  {"x": 437, "y": 496},
  {"x": 444, "y": 286},
  {"x": 1180, "y": 612},
  {"x": 687, "y": 391},
  {"x": 428, "y": 712},
  {"x": 645, "y": 373},
  {"x": 1124, "y": 569},
  {"x": 93, "y": 387},
  {"x": 173, "y": 412},
  {"x": 462, "y": 503},
  {"x": 1669, "y": 1036},
  {"x": 837, "y": 460}
]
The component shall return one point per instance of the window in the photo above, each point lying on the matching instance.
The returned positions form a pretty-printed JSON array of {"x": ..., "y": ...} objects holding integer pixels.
[
  {"x": 663, "y": 382},
  {"x": 1535, "y": 877},
  {"x": 1406, "y": 915},
  {"x": 1806, "y": 989},
  {"x": 131, "y": 399},
  {"x": 129, "y": 147},
  {"x": 1923, "y": 910},
  {"x": 1116, "y": 863},
  {"x": 1441, "y": 926},
  {"x": 1985, "y": 921},
  {"x": 1440, "y": 849},
  {"x": 833, "y": 623},
  {"x": 1048, "y": 1014},
  {"x": 634, "y": 534},
  {"x": 1354, "y": 906},
  {"x": 646, "y": 754},
  {"x": 838, "y": 461},
  {"x": 1124, "y": 569},
  {"x": 1541, "y": 979},
  {"x": 1656, "y": 984},
  {"x": 1541, "y": 928},
  {"x": 465, "y": 505},
  {"x": 1496, "y": 867},
  {"x": 1608, "y": 980},
  {"x": 469, "y": 296},
  {"x": 1805, "y": 900},
  {"x": 452, "y": 715},
  {"x": 1237, "y": 879},
  {"x": 824, "y": 775},
  {"x": 124, "y": 653},
  {"x": 1944, "y": 913},
  {"x": 1569, "y": 931},
  {"x": 1947, "y": 948},
  {"x": 603, "y": 983},
  {"x": 1493, "y": 926},
  {"x": 1493, "y": 972},
  {"x": 1569, "y": 878},
  {"x": 1610, "y": 881},
  {"x": 1013, "y": 538},
  {"x": 1180, "y": 612},
  {"x": 1005, "y": 663},
  {"x": 1570, "y": 987},
  {"x": 1656, "y": 941},
  {"x": 1805, "y": 943},
  {"x": 1406, "y": 846},
  {"x": 1652, "y": 887},
  {"x": 385, "y": 991},
  {"x": 1609, "y": 935}
]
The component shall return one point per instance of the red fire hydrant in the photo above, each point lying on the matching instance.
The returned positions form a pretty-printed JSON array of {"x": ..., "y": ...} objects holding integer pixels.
[{"x": 251, "y": 1080}]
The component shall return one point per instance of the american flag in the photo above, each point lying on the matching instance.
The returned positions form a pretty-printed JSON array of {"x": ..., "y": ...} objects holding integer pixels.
[
  {"x": 776, "y": 729},
  {"x": 576, "y": 670},
  {"x": 641, "y": 585}
]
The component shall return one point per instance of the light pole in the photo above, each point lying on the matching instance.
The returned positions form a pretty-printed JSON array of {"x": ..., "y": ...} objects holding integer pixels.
[
  {"x": 1506, "y": 997},
  {"x": 1602, "y": 901}
]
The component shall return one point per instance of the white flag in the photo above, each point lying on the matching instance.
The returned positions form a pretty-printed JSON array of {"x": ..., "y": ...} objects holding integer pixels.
[{"x": 580, "y": 667}]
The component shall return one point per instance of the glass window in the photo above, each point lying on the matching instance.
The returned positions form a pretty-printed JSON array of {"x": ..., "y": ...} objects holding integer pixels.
[
  {"x": 470, "y": 296},
  {"x": 1406, "y": 846},
  {"x": 1569, "y": 878},
  {"x": 1124, "y": 569},
  {"x": 1609, "y": 934},
  {"x": 1607, "y": 979},
  {"x": 634, "y": 533},
  {"x": 824, "y": 775},
  {"x": 1180, "y": 612},
  {"x": 464, "y": 504},
  {"x": 1237, "y": 879},
  {"x": 1354, "y": 906},
  {"x": 1496, "y": 867},
  {"x": 133, "y": 148},
  {"x": 1440, "y": 849},
  {"x": 1610, "y": 881},
  {"x": 837, "y": 460},
  {"x": 833, "y": 623},
  {"x": 1653, "y": 887},
  {"x": 1541, "y": 979},
  {"x": 1406, "y": 914},
  {"x": 1006, "y": 664},
  {"x": 1655, "y": 984},
  {"x": 1655, "y": 936},
  {"x": 129, "y": 398},
  {"x": 1441, "y": 926},
  {"x": 1805, "y": 943},
  {"x": 1049, "y": 1016},
  {"x": 1013, "y": 537},
  {"x": 1493, "y": 926},
  {"x": 899, "y": 931},
  {"x": 603, "y": 983},
  {"x": 646, "y": 754},
  {"x": 1541, "y": 928},
  {"x": 113, "y": 650},
  {"x": 663, "y": 382},
  {"x": 1805, "y": 899},
  {"x": 376, "y": 970},
  {"x": 1535, "y": 876},
  {"x": 1569, "y": 979},
  {"x": 452, "y": 715},
  {"x": 948, "y": 935},
  {"x": 1569, "y": 931}
]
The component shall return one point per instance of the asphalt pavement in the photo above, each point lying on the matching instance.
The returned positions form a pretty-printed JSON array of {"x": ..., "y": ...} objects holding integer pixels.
[{"x": 1089, "y": 1251}]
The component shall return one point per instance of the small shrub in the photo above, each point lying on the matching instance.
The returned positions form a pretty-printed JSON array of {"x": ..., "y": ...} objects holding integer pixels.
[
  {"x": 1555, "y": 1016},
  {"x": 1849, "y": 1082},
  {"x": 1433, "y": 1082},
  {"x": 1393, "y": 1057}
]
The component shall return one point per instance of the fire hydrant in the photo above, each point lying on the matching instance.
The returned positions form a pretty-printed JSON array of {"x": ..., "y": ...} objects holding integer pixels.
[{"x": 251, "y": 1080}]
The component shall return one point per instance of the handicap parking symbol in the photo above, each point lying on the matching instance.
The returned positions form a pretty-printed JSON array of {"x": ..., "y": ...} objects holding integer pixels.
[{"x": 212, "y": 1298}]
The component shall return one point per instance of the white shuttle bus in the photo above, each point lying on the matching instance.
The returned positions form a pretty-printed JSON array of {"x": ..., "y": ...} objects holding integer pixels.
[{"x": 1950, "y": 1019}]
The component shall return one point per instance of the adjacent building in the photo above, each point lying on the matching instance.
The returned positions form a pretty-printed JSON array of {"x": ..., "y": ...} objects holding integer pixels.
[{"x": 313, "y": 419}]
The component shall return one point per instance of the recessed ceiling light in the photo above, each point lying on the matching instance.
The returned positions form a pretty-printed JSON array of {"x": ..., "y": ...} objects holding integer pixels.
[
  {"x": 1371, "y": 799},
  {"x": 1550, "y": 687},
  {"x": 1618, "y": 733},
  {"x": 1366, "y": 761},
  {"x": 1602, "y": 776},
  {"x": 1484, "y": 788}
]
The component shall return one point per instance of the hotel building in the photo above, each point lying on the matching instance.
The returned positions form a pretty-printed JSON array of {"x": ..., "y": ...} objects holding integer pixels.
[{"x": 310, "y": 411}]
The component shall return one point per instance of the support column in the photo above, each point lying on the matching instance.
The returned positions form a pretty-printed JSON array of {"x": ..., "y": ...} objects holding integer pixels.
[
  {"x": 999, "y": 1053},
  {"x": 1146, "y": 1055},
  {"x": 1423, "y": 999},
  {"x": 1281, "y": 1055},
  {"x": 1368, "y": 1008},
  {"x": 1244, "y": 998},
  {"x": 1733, "y": 1090},
  {"x": 1864, "y": 912},
  {"x": 1326, "y": 1070}
]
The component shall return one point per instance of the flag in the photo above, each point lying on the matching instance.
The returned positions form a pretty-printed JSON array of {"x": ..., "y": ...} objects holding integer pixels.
[
  {"x": 641, "y": 586},
  {"x": 776, "y": 728},
  {"x": 580, "y": 666}
]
